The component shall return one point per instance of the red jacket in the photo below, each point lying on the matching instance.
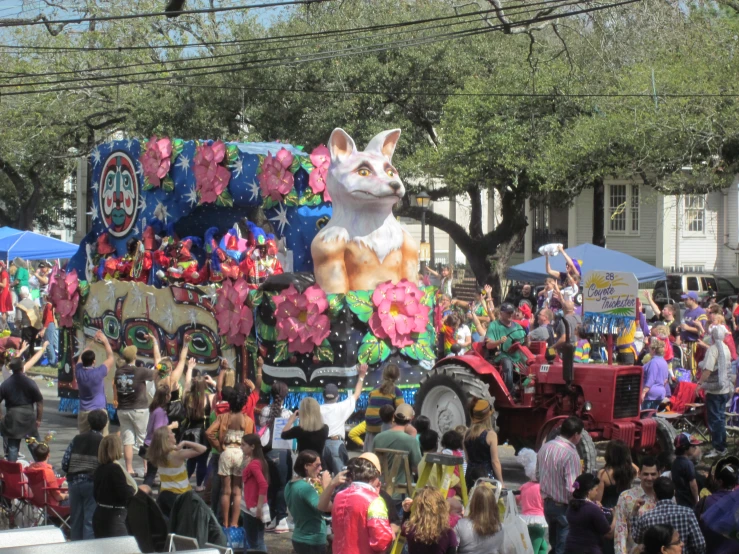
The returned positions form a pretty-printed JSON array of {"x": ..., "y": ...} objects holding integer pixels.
[{"x": 360, "y": 522}]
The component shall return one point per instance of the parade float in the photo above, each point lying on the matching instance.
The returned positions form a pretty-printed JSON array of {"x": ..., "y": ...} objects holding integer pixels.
[{"x": 242, "y": 250}]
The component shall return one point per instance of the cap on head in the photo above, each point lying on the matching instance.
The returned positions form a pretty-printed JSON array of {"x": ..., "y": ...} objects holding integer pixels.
[
  {"x": 692, "y": 295},
  {"x": 525, "y": 310},
  {"x": 370, "y": 456},
  {"x": 507, "y": 308},
  {"x": 129, "y": 354},
  {"x": 481, "y": 410},
  {"x": 684, "y": 440},
  {"x": 330, "y": 391},
  {"x": 404, "y": 412}
]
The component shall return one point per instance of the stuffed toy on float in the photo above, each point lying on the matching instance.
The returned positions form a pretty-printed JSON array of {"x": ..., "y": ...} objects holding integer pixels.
[{"x": 186, "y": 243}]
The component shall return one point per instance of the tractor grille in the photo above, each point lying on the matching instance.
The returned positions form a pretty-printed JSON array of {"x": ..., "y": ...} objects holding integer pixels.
[{"x": 626, "y": 397}]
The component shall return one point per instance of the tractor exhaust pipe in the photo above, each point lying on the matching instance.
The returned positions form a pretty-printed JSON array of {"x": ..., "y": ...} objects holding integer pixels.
[{"x": 567, "y": 353}]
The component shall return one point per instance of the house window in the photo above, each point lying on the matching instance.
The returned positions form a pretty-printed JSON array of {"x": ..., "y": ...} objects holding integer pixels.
[
  {"x": 695, "y": 213},
  {"x": 623, "y": 209}
]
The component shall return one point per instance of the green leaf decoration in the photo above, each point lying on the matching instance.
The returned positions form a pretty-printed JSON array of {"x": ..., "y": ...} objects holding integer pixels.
[
  {"x": 168, "y": 184},
  {"x": 295, "y": 165},
  {"x": 307, "y": 164},
  {"x": 309, "y": 198},
  {"x": 266, "y": 332},
  {"x": 255, "y": 297},
  {"x": 428, "y": 352},
  {"x": 429, "y": 294},
  {"x": 261, "y": 162},
  {"x": 147, "y": 185},
  {"x": 335, "y": 304},
  {"x": 360, "y": 303},
  {"x": 425, "y": 338},
  {"x": 232, "y": 153},
  {"x": 281, "y": 351},
  {"x": 178, "y": 145},
  {"x": 268, "y": 203},
  {"x": 413, "y": 351},
  {"x": 300, "y": 147},
  {"x": 291, "y": 199},
  {"x": 372, "y": 350},
  {"x": 324, "y": 352},
  {"x": 225, "y": 199},
  {"x": 251, "y": 344}
]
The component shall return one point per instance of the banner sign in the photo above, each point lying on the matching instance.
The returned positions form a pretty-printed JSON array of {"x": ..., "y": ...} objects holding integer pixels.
[{"x": 609, "y": 300}]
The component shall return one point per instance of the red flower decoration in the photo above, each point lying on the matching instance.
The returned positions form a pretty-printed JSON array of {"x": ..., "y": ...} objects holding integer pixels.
[
  {"x": 211, "y": 178},
  {"x": 398, "y": 312},
  {"x": 321, "y": 159},
  {"x": 234, "y": 317},
  {"x": 275, "y": 178},
  {"x": 64, "y": 294},
  {"x": 156, "y": 160},
  {"x": 300, "y": 318}
]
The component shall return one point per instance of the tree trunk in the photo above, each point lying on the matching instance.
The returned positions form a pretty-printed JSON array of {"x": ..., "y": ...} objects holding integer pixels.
[{"x": 599, "y": 216}]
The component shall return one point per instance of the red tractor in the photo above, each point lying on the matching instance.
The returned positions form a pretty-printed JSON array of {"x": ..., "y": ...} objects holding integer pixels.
[{"x": 606, "y": 397}]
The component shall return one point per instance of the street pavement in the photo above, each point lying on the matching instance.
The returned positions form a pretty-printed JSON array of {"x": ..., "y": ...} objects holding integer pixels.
[{"x": 64, "y": 427}]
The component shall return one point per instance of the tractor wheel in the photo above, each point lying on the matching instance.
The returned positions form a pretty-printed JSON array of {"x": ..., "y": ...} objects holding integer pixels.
[
  {"x": 585, "y": 449},
  {"x": 666, "y": 434},
  {"x": 445, "y": 394}
]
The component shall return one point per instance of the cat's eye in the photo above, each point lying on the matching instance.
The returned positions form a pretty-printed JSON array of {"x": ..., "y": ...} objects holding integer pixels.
[
  {"x": 363, "y": 172},
  {"x": 390, "y": 173}
]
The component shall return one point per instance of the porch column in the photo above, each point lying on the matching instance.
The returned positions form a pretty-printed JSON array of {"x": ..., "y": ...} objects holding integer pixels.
[
  {"x": 528, "y": 238},
  {"x": 81, "y": 227},
  {"x": 572, "y": 225},
  {"x": 452, "y": 258}
]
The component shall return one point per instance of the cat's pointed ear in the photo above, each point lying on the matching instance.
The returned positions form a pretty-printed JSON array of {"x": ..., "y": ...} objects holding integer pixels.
[
  {"x": 384, "y": 143},
  {"x": 341, "y": 145}
]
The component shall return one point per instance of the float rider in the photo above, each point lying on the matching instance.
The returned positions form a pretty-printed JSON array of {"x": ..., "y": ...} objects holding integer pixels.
[{"x": 501, "y": 335}]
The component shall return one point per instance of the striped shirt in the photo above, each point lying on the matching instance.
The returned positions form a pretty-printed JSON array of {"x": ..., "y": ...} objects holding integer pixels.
[
  {"x": 376, "y": 401},
  {"x": 557, "y": 467},
  {"x": 174, "y": 479}
]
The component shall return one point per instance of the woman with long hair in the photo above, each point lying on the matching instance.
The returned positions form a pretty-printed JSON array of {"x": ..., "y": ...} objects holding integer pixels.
[
  {"x": 588, "y": 522},
  {"x": 225, "y": 435},
  {"x": 615, "y": 477},
  {"x": 481, "y": 445},
  {"x": 157, "y": 419},
  {"x": 280, "y": 458},
  {"x": 427, "y": 531},
  {"x": 662, "y": 539},
  {"x": 256, "y": 485},
  {"x": 197, "y": 409},
  {"x": 387, "y": 393},
  {"x": 170, "y": 457},
  {"x": 310, "y": 432},
  {"x": 481, "y": 531},
  {"x": 302, "y": 497},
  {"x": 113, "y": 487}
]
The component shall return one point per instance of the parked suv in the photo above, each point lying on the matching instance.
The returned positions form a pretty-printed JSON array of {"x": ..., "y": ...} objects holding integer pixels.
[{"x": 704, "y": 284}]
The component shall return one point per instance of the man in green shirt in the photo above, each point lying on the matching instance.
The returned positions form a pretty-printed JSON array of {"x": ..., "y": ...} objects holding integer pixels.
[
  {"x": 20, "y": 279},
  {"x": 396, "y": 438},
  {"x": 501, "y": 335},
  {"x": 302, "y": 501}
]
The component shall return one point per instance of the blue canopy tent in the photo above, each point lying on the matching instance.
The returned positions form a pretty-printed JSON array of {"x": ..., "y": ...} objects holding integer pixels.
[
  {"x": 591, "y": 257},
  {"x": 6, "y": 231},
  {"x": 32, "y": 246}
]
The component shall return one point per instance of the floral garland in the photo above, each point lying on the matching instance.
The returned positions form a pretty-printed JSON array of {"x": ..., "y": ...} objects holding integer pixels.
[
  {"x": 64, "y": 294},
  {"x": 212, "y": 178},
  {"x": 235, "y": 319},
  {"x": 156, "y": 162},
  {"x": 276, "y": 176}
]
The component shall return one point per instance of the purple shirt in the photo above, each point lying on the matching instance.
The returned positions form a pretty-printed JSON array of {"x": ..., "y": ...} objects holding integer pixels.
[
  {"x": 656, "y": 374},
  {"x": 158, "y": 418},
  {"x": 91, "y": 386},
  {"x": 588, "y": 525},
  {"x": 696, "y": 316}
]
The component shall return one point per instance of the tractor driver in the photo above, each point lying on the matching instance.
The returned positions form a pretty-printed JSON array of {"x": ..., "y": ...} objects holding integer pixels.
[{"x": 501, "y": 335}]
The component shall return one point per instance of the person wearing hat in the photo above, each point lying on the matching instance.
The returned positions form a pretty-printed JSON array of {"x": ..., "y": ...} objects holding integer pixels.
[
  {"x": 687, "y": 451},
  {"x": 715, "y": 382},
  {"x": 132, "y": 402},
  {"x": 42, "y": 274},
  {"x": 501, "y": 335},
  {"x": 692, "y": 327},
  {"x": 665, "y": 512},
  {"x": 396, "y": 438},
  {"x": 27, "y": 319},
  {"x": 481, "y": 445},
  {"x": 335, "y": 414}
]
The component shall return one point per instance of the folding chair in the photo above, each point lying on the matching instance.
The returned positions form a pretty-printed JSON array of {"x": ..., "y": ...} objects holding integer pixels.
[
  {"x": 685, "y": 414},
  {"x": 179, "y": 543},
  {"x": 15, "y": 490},
  {"x": 42, "y": 498}
]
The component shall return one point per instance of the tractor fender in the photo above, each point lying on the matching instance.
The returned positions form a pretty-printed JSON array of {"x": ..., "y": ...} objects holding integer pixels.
[
  {"x": 480, "y": 366},
  {"x": 541, "y": 437}
]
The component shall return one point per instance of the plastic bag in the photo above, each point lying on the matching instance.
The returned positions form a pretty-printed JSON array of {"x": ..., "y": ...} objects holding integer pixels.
[
  {"x": 515, "y": 531},
  {"x": 551, "y": 249}
]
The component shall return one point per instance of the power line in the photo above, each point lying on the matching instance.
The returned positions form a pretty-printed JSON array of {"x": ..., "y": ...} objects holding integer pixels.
[
  {"x": 292, "y": 45},
  {"x": 339, "y": 54},
  {"x": 157, "y": 14}
]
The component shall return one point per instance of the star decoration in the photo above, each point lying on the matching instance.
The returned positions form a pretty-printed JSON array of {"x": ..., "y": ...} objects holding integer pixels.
[
  {"x": 95, "y": 186},
  {"x": 110, "y": 292},
  {"x": 280, "y": 218},
  {"x": 161, "y": 212},
  {"x": 95, "y": 156},
  {"x": 129, "y": 144},
  {"x": 93, "y": 307},
  {"x": 238, "y": 167},
  {"x": 230, "y": 356},
  {"x": 192, "y": 197},
  {"x": 254, "y": 190},
  {"x": 142, "y": 203},
  {"x": 183, "y": 162},
  {"x": 94, "y": 213},
  {"x": 139, "y": 168},
  {"x": 192, "y": 317},
  {"x": 151, "y": 302},
  {"x": 168, "y": 317},
  {"x": 137, "y": 295}
]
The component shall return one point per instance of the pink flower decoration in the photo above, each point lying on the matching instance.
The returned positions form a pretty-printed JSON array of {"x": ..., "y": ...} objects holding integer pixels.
[
  {"x": 234, "y": 317},
  {"x": 156, "y": 160},
  {"x": 276, "y": 180},
  {"x": 321, "y": 159},
  {"x": 300, "y": 318},
  {"x": 64, "y": 294},
  {"x": 211, "y": 178},
  {"x": 398, "y": 312}
]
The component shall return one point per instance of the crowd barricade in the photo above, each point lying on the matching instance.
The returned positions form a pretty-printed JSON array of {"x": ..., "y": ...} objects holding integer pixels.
[
  {"x": 14, "y": 538},
  {"x": 117, "y": 545}
]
